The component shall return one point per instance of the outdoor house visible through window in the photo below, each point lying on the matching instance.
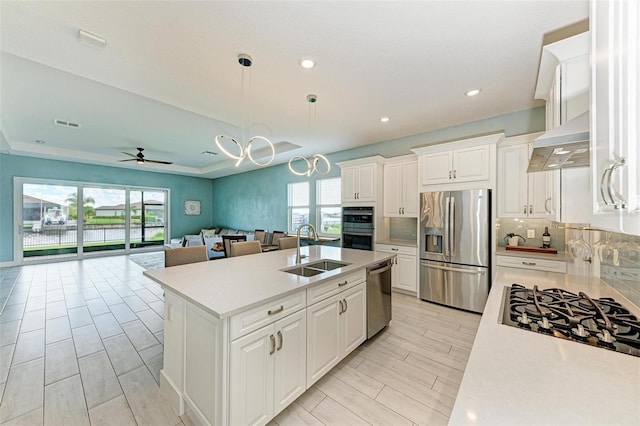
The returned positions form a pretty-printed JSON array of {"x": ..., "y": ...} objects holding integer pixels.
[
  {"x": 298, "y": 204},
  {"x": 329, "y": 212}
]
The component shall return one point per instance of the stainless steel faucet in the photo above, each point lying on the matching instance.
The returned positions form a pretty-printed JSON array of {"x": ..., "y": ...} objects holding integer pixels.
[{"x": 315, "y": 238}]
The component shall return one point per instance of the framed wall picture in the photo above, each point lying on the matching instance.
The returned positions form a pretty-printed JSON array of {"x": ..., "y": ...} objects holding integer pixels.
[{"x": 192, "y": 207}]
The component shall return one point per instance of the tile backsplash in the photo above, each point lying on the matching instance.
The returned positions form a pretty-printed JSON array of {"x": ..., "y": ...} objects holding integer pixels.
[
  {"x": 506, "y": 226},
  {"x": 401, "y": 228},
  {"x": 618, "y": 258}
]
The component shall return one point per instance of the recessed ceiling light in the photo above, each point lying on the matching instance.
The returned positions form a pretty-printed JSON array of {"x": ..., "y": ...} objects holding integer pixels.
[
  {"x": 307, "y": 63},
  {"x": 209, "y": 153},
  {"x": 92, "y": 40},
  {"x": 581, "y": 150},
  {"x": 473, "y": 92},
  {"x": 40, "y": 141},
  {"x": 568, "y": 163},
  {"x": 561, "y": 151},
  {"x": 553, "y": 165},
  {"x": 384, "y": 119}
]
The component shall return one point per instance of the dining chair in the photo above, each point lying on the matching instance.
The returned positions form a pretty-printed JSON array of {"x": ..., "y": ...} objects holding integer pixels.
[
  {"x": 260, "y": 235},
  {"x": 275, "y": 236},
  {"x": 245, "y": 247},
  {"x": 287, "y": 242},
  {"x": 227, "y": 240},
  {"x": 184, "y": 255}
]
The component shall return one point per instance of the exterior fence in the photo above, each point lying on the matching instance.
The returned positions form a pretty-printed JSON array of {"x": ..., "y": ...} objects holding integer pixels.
[{"x": 67, "y": 235}]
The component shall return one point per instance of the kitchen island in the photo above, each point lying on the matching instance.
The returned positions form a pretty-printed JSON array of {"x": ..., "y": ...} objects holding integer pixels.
[
  {"x": 244, "y": 337},
  {"x": 515, "y": 376}
]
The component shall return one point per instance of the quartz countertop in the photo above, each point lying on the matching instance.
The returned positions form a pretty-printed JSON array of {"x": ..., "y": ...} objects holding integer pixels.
[
  {"x": 519, "y": 377},
  {"x": 397, "y": 242},
  {"x": 562, "y": 256},
  {"x": 228, "y": 286}
]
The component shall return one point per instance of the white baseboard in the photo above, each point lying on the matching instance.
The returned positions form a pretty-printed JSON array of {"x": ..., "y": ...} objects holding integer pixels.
[
  {"x": 170, "y": 390},
  {"x": 8, "y": 264}
]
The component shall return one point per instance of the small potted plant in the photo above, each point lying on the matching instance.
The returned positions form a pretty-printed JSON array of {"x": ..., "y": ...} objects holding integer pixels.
[{"x": 512, "y": 239}]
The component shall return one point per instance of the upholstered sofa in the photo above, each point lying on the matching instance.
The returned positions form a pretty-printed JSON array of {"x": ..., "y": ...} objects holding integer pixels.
[{"x": 213, "y": 236}]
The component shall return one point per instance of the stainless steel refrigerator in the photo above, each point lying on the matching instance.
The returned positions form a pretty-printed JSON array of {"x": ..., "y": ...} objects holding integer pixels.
[{"x": 455, "y": 255}]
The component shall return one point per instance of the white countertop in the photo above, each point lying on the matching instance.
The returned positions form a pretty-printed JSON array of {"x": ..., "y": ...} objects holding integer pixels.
[
  {"x": 396, "y": 242},
  {"x": 227, "y": 286},
  {"x": 562, "y": 256},
  {"x": 517, "y": 377}
]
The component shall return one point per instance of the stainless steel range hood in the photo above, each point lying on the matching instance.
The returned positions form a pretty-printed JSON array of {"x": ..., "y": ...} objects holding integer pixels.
[{"x": 565, "y": 146}]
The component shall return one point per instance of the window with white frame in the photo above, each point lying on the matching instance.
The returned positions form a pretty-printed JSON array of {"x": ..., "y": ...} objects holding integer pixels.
[
  {"x": 329, "y": 212},
  {"x": 298, "y": 204}
]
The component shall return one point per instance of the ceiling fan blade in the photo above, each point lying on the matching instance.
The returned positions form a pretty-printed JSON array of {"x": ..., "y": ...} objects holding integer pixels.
[
  {"x": 130, "y": 155},
  {"x": 158, "y": 161},
  {"x": 131, "y": 159}
]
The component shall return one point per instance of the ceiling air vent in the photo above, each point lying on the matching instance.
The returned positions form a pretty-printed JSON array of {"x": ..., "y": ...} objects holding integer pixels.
[{"x": 66, "y": 123}]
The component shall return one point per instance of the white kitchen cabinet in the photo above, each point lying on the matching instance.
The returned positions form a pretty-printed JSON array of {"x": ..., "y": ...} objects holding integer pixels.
[
  {"x": 335, "y": 327},
  {"x": 464, "y": 164},
  {"x": 404, "y": 272},
  {"x": 268, "y": 370},
  {"x": 460, "y": 165},
  {"x": 401, "y": 189},
  {"x": 615, "y": 108},
  {"x": 535, "y": 264},
  {"x": 361, "y": 179},
  {"x": 521, "y": 194}
]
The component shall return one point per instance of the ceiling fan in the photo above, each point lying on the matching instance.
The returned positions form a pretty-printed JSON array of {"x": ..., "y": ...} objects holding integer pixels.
[{"x": 139, "y": 158}]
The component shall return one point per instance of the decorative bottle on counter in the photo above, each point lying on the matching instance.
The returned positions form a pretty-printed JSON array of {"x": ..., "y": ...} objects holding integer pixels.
[{"x": 546, "y": 238}]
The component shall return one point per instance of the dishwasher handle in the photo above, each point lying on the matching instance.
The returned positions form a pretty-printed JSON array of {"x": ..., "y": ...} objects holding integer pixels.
[{"x": 379, "y": 270}]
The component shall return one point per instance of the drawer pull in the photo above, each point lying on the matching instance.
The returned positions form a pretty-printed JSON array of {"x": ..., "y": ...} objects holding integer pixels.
[
  {"x": 277, "y": 311},
  {"x": 345, "y": 282},
  {"x": 529, "y": 263},
  {"x": 395, "y": 249}
]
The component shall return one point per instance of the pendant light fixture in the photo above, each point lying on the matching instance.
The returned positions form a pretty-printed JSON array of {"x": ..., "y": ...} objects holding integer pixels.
[
  {"x": 310, "y": 164},
  {"x": 245, "y": 62}
]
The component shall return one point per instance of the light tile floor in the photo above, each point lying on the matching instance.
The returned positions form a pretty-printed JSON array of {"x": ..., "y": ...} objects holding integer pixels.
[{"x": 81, "y": 343}]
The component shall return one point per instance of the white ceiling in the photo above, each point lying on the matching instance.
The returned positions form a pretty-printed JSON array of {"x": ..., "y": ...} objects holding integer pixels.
[{"x": 168, "y": 79}]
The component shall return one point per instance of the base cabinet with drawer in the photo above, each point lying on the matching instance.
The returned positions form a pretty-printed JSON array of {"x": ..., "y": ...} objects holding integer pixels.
[
  {"x": 537, "y": 264},
  {"x": 404, "y": 272},
  {"x": 268, "y": 370},
  {"x": 335, "y": 327}
]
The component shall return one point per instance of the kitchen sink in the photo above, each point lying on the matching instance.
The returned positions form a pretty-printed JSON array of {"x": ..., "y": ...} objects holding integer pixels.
[{"x": 315, "y": 268}]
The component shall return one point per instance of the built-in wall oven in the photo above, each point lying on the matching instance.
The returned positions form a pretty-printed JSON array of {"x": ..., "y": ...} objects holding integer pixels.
[{"x": 357, "y": 228}]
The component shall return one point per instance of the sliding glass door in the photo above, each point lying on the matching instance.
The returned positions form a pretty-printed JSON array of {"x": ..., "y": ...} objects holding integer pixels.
[{"x": 69, "y": 219}]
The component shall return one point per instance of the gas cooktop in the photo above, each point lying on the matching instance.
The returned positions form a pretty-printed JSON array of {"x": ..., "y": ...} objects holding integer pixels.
[{"x": 602, "y": 322}]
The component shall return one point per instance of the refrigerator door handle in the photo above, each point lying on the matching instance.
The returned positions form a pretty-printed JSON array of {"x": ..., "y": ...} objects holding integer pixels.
[
  {"x": 446, "y": 268},
  {"x": 451, "y": 219},
  {"x": 445, "y": 242}
]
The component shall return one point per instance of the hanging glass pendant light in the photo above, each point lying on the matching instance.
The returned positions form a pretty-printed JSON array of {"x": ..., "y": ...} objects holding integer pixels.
[
  {"x": 244, "y": 151},
  {"x": 310, "y": 165}
]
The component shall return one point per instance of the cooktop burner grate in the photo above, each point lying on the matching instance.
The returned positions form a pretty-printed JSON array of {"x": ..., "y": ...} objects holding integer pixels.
[{"x": 556, "y": 312}]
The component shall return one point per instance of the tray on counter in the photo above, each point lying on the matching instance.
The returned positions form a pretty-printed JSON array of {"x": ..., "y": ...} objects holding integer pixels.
[{"x": 532, "y": 249}]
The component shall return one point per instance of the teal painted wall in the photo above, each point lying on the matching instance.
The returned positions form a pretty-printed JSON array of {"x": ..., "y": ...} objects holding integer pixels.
[
  {"x": 258, "y": 199},
  {"x": 181, "y": 188}
]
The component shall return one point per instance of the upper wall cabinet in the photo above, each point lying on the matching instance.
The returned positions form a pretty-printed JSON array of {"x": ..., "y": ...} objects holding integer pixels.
[
  {"x": 362, "y": 180},
  {"x": 401, "y": 187},
  {"x": 521, "y": 194},
  {"x": 458, "y": 165},
  {"x": 615, "y": 108}
]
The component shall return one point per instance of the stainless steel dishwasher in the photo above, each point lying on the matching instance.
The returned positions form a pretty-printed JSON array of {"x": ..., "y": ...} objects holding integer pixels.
[{"x": 378, "y": 297}]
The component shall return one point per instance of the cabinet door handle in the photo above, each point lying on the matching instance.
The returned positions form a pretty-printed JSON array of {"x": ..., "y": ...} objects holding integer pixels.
[
  {"x": 273, "y": 345},
  {"x": 403, "y": 210},
  {"x": 602, "y": 181},
  {"x": 529, "y": 263},
  {"x": 530, "y": 208},
  {"x": 524, "y": 209},
  {"x": 346, "y": 306},
  {"x": 399, "y": 210},
  {"x": 454, "y": 174},
  {"x": 449, "y": 174},
  {"x": 617, "y": 203},
  {"x": 280, "y": 340},
  {"x": 343, "y": 283},
  {"x": 341, "y": 308},
  {"x": 276, "y": 311},
  {"x": 546, "y": 208}
]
